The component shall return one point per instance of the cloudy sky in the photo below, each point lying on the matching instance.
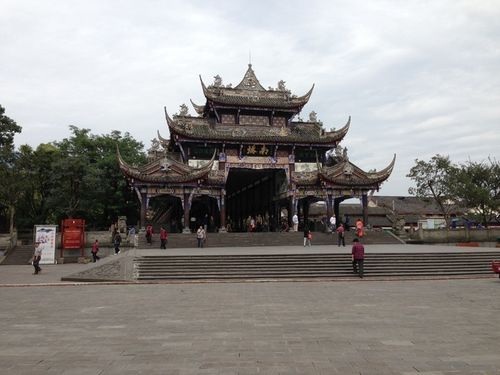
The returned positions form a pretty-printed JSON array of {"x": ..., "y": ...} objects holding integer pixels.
[{"x": 417, "y": 77}]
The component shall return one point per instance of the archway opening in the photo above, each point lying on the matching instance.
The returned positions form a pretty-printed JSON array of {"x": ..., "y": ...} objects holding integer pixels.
[{"x": 252, "y": 199}]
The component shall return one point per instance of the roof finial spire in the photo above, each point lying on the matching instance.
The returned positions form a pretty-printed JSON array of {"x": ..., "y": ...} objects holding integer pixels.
[{"x": 249, "y": 57}]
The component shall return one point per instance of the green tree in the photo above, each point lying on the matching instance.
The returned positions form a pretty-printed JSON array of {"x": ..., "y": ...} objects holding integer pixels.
[
  {"x": 436, "y": 179},
  {"x": 477, "y": 186},
  {"x": 8, "y": 128},
  {"x": 37, "y": 167},
  {"x": 88, "y": 182},
  {"x": 12, "y": 180}
]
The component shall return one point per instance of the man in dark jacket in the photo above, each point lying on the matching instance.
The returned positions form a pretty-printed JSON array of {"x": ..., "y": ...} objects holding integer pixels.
[
  {"x": 358, "y": 257},
  {"x": 117, "y": 241}
]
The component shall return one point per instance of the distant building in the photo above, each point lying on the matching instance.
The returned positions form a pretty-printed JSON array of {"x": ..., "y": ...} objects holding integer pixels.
[{"x": 383, "y": 210}]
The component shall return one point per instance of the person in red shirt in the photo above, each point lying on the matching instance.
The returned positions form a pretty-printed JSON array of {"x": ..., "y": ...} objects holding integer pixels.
[
  {"x": 341, "y": 234},
  {"x": 149, "y": 234},
  {"x": 163, "y": 238},
  {"x": 95, "y": 250},
  {"x": 358, "y": 257}
]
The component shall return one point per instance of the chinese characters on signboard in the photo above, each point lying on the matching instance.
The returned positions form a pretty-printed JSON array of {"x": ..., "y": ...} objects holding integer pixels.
[{"x": 258, "y": 150}]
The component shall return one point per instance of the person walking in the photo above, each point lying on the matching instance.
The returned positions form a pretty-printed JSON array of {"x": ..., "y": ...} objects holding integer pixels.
[
  {"x": 149, "y": 234},
  {"x": 341, "y": 235},
  {"x": 307, "y": 236},
  {"x": 116, "y": 242},
  {"x": 295, "y": 221},
  {"x": 358, "y": 257},
  {"x": 359, "y": 228},
  {"x": 95, "y": 250},
  {"x": 333, "y": 223},
  {"x": 37, "y": 256},
  {"x": 163, "y": 238},
  {"x": 200, "y": 236}
]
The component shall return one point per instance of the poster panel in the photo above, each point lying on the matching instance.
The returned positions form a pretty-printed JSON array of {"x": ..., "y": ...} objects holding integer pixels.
[{"x": 46, "y": 236}]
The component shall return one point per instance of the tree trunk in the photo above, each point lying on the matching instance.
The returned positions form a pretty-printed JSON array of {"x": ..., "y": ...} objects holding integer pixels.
[
  {"x": 441, "y": 205},
  {"x": 484, "y": 216},
  {"x": 12, "y": 211}
]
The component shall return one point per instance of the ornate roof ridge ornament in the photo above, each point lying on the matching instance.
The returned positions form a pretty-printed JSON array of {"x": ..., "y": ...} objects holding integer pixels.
[
  {"x": 251, "y": 93},
  {"x": 183, "y": 110},
  {"x": 250, "y": 81}
]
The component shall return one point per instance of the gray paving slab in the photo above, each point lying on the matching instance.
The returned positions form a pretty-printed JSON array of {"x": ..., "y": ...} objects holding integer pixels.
[{"x": 398, "y": 327}]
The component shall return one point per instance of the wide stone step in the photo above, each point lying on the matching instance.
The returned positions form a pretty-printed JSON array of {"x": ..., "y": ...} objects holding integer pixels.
[
  {"x": 443, "y": 259},
  {"x": 271, "y": 276},
  {"x": 20, "y": 255},
  {"x": 178, "y": 240},
  {"x": 270, "y": 266},
  {"x": 188, "y": 267},
  {"x": 307, "y": 266},
  {"x": 177, "y": 259}
]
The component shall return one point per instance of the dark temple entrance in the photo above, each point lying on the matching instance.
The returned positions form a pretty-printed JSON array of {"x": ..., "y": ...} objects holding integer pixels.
[{"x": 253, "y": 198}]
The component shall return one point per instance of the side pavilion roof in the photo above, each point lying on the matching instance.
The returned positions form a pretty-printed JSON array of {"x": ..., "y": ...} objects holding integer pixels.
[
  {"x": 165, "y": 170},
  {"x": 344, "y": 174}
]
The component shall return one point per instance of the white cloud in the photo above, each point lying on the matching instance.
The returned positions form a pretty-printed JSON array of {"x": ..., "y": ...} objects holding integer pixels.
[{"x": 418, "y": 78}]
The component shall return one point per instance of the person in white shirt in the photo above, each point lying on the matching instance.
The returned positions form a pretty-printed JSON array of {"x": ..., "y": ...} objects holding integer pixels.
[
  {"x": 37, "y": 256},
  {"x": 200, "y": 236},
  {"x": 333, "y": 223},
  {"x": 295, "y": 221}
]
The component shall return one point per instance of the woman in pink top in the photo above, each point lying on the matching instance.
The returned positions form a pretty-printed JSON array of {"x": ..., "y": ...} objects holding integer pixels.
[
  {"x": 340, "y": 234},
  {"x": 358, "y": 257}
]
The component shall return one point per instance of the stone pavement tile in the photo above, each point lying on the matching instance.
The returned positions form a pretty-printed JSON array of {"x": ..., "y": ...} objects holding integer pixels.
[
  {"x": 255, "y": 327},
  {"x": 423, "y": 373}
]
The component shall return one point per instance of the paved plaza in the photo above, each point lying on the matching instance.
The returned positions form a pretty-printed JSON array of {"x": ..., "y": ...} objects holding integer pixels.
[{"x": 364, "y": 326}]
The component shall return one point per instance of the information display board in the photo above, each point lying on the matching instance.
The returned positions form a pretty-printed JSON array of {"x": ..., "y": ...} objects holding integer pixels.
[
  {"x": 72, "y": 234},
  {"x": 45, "y": 235}
]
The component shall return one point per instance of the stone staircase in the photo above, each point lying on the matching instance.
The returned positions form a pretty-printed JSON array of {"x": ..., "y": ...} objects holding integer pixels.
[
  {"x": 181, "y": 240},
  {"x": 311, "y": 266},
  {"x": 20, "y": 255}
]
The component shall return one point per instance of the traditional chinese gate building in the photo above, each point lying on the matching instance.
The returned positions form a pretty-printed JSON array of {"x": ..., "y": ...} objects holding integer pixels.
[{"x": 248, "y": 153}]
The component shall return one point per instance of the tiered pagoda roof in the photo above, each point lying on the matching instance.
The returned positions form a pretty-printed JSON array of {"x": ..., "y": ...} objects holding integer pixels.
[
  {"x": 250, "y": 93},
  {"x": 250, "y": 96},
  {"x": 298, "y": 132}
]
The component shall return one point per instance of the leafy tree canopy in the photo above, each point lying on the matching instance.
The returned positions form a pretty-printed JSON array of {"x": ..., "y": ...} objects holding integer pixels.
[
  {"x": 474, "y": 186},
  {"x": 8, "y": 128},
  {"x": 75, "y": 177},
  {"x": 11, "y": 179},
  {"x": 434, "y": 179}
]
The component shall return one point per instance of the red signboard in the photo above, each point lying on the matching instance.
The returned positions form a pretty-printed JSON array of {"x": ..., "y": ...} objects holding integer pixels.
[{"x": 72, "y": 234}]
